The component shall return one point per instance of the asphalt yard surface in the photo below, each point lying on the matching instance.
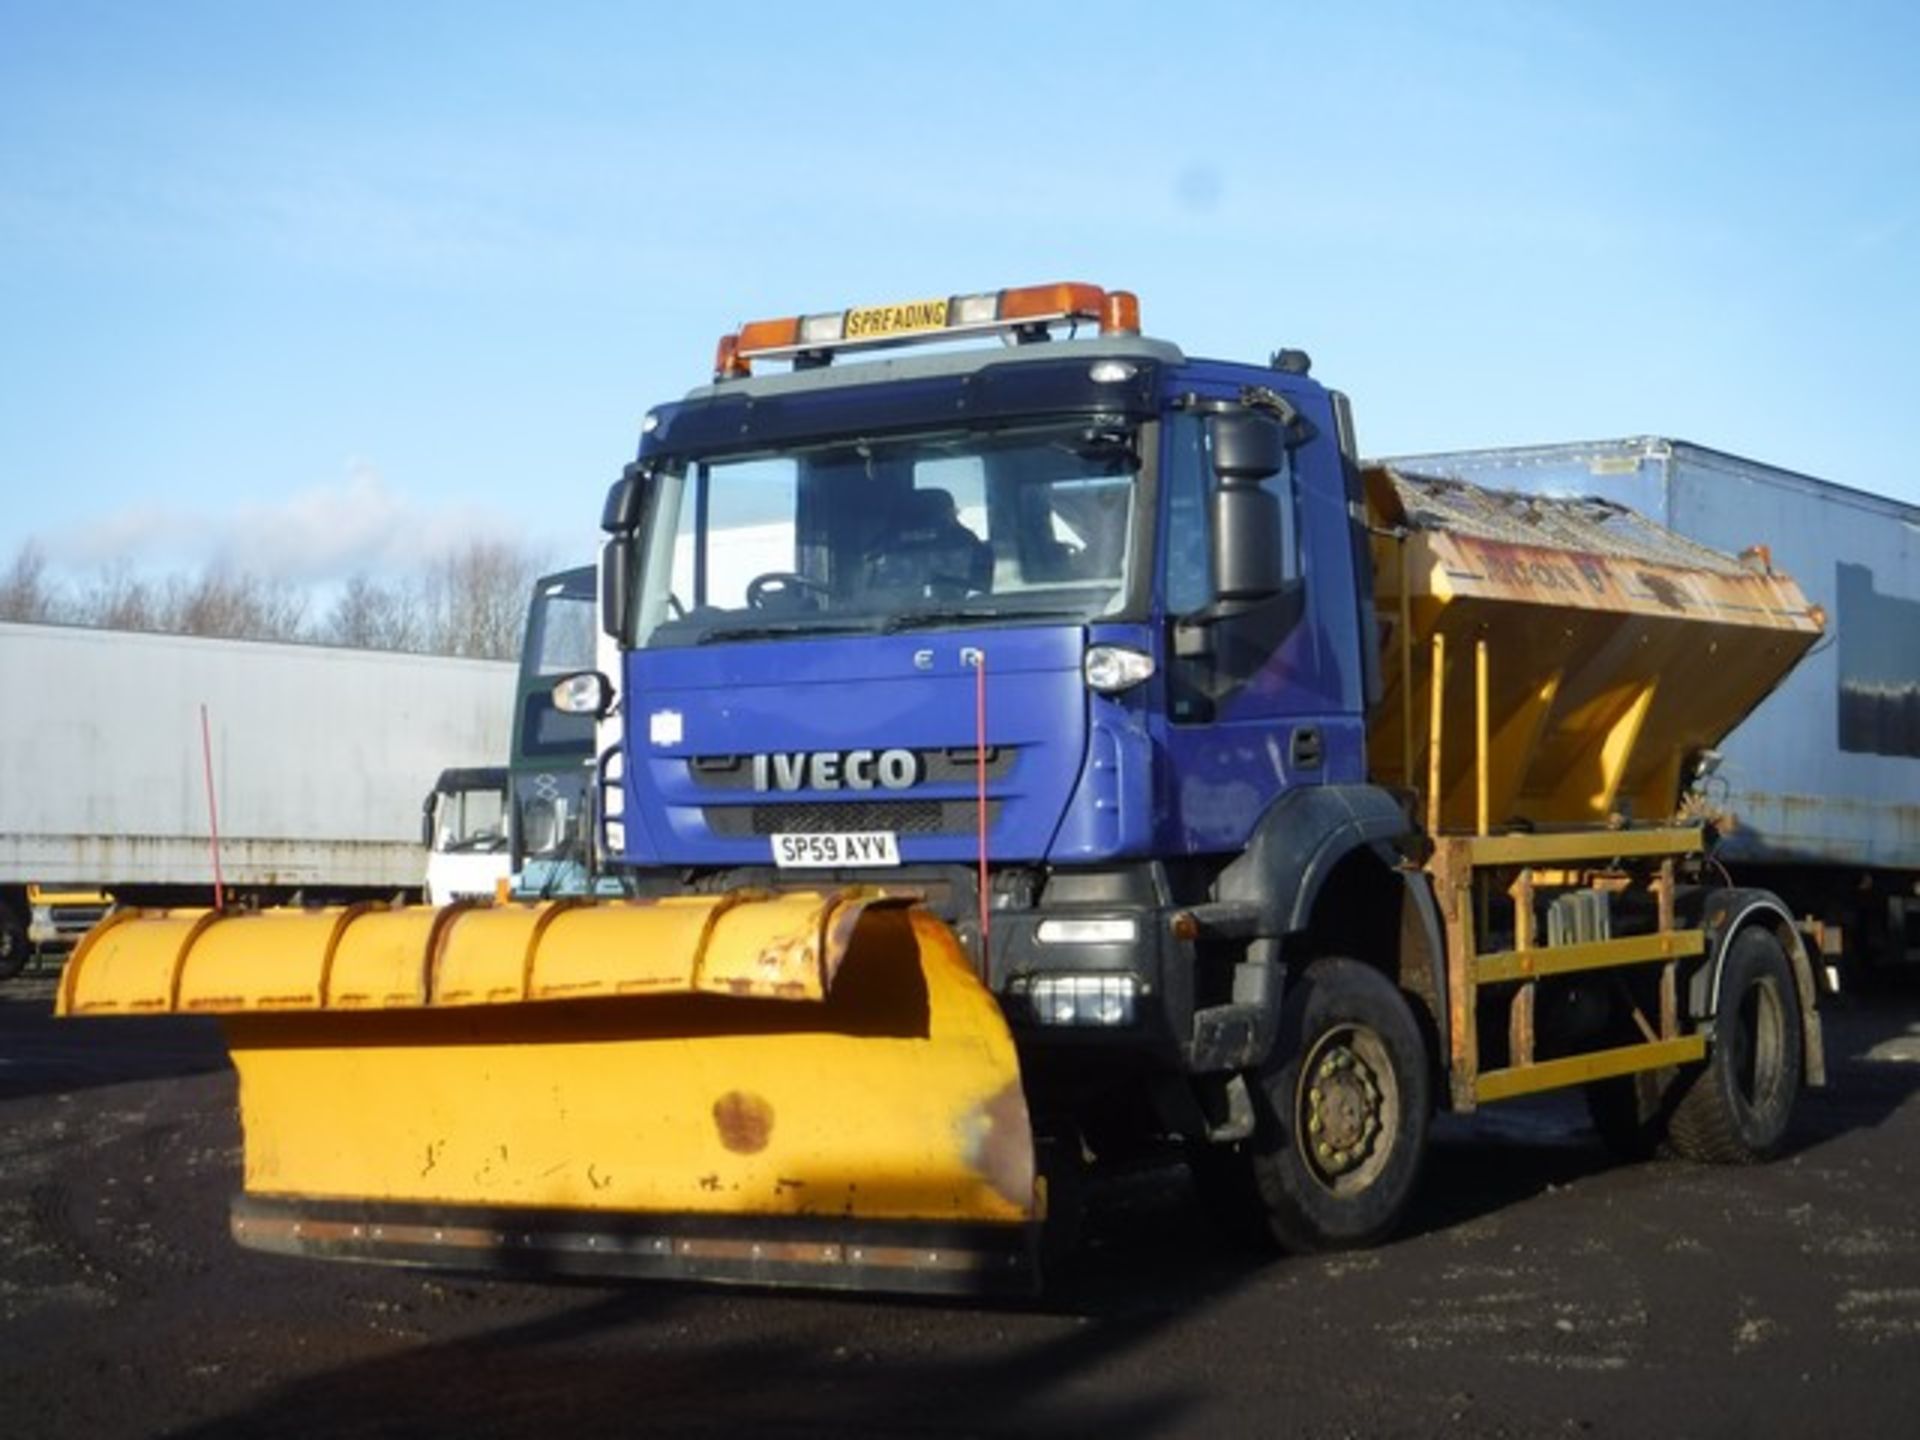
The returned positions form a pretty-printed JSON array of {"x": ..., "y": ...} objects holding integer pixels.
[{"x": 1543, "y": 1289}]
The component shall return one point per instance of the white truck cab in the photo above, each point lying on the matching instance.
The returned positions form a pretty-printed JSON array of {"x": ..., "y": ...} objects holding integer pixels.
[{"x": 463, "y": 823}]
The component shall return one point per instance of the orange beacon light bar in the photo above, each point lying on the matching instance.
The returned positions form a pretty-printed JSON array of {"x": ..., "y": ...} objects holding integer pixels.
[{"x": 1025, "y": 310}]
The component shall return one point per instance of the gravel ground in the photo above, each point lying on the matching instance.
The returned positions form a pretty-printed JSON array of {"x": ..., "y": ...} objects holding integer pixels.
[{"x": 1542, "y": 1290}]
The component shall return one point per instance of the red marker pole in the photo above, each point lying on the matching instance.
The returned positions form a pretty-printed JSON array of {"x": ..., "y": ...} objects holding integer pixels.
[{"x": 213, "y": 810}]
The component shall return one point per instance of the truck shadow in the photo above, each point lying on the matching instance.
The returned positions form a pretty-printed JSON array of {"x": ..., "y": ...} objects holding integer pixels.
[
  {"x": 668, "y": 1360},
  {"x": 601, "y": 1370},
  {"x": 40, "y": 1054}
]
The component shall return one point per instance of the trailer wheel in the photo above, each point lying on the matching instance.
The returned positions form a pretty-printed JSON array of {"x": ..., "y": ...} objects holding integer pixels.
[
  {"x": 15, "y": 948},
  {"x": 1737, "y": 1107},
  {"x": 1343, "y": 1111}
]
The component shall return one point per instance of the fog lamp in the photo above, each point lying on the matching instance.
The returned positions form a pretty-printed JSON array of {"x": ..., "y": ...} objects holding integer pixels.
[{"x": 1082, "y": 999}]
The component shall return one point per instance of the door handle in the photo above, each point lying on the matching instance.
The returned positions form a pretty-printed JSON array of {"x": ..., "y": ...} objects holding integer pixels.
[{"x": 1303, "y": 748}]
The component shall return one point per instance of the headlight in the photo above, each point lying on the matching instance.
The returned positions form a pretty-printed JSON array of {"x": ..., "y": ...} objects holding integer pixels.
[
  {"x": 1109, "y": 669},
  {"x": 1115, "y": 930}
]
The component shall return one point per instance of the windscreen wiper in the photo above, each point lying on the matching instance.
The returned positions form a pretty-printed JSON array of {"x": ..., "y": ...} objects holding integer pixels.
[
  {"x": 770, "y": 632},
  {"x": 946, "y": 614}
]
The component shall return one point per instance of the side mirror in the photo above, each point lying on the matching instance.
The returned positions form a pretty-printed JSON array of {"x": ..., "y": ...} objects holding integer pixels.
[
  {"x": 616, "y": 584},
  {"x": 627, "y": 500},
  {"x": 585, "y": 692},
  {"x": 1248, "y": 445},
  {"x": 1248, "y": 560},
  {"x": 426, "y": 821}
]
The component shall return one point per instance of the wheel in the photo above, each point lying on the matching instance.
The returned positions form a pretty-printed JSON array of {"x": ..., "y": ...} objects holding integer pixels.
[
  {"x": 15, "y": 948},
  {"x": 1343, "y": 1109},
  {"x": 782, "y": 590},
  {"x": 1737, "y": 1107}
]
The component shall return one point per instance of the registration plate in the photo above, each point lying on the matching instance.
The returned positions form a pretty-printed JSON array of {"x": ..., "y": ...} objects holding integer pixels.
[{"x": 814, "y": 852}]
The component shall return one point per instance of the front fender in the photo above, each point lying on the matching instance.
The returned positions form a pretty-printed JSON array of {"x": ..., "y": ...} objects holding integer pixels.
[{"x": 1299, "y": 842}]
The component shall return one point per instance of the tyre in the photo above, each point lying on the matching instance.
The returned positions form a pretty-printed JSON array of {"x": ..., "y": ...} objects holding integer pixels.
[
  {"x": 1343, "y": 1109},
  {"x": 1736, "y": 1108},
  {"x": 15, "y": 948}
]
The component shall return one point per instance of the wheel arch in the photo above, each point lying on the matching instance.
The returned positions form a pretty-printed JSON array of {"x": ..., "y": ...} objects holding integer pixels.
[
  {"x": 1730, "y": 914},
  {"x": 1298, "y": 843},
  {"x": 1324, "y": 867}
]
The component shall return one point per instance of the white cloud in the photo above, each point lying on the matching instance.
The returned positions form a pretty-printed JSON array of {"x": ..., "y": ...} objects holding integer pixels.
[{"x": 323, "y": 533}]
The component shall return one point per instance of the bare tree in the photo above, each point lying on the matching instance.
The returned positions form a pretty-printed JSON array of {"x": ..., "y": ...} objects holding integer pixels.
[
  {"x": 372, "y": 616},
  {"x": 470, "y": 601},
  {"x": 233, "y": 604},
  {"x": 118, "y": 600},
  {"x": 25, "y": 592},
  {"x": 475, "y": 600}
]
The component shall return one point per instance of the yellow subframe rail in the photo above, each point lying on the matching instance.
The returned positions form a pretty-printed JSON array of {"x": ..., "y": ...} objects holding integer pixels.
[
  {"x": 1467, "y": 871},
  {"x": 1463, "y": 870}
]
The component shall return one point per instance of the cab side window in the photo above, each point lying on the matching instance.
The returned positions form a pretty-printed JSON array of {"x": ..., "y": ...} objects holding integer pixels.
[
  {"x": 1188, "y": 552},
  {"x": 1189, "y": 562},
  {"x": 1235, "y": 645}
]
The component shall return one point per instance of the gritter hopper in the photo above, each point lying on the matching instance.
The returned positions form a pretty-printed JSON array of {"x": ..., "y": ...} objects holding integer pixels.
[{"x": 1585, "y": 655}]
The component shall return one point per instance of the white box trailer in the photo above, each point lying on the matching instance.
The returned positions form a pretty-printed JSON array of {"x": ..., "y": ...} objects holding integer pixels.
[{"x": 320, "y": 758}]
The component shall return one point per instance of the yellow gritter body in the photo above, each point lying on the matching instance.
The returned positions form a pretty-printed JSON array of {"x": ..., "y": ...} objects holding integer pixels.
[{"x": 1611, "y": 652}]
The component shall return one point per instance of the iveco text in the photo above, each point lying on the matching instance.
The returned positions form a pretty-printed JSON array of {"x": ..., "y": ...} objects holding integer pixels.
[{"x": 837, "y": 769}]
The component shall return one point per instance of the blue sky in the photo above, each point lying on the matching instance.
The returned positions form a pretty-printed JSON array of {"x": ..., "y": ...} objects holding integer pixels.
[{"x": 316, "y": 288}]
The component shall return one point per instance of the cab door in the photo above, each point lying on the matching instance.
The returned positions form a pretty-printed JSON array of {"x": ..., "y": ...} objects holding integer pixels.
[{"x": 1263, "y": 696}]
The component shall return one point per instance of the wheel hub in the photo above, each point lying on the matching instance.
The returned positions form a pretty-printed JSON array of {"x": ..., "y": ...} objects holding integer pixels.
[{"x": 1343, "y": 1110}]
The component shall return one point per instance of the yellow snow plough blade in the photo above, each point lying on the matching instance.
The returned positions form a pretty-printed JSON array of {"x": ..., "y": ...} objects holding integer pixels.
[{"x": 808, "y": 1088}]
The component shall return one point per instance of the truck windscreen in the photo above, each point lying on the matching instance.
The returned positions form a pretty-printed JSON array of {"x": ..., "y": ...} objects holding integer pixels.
[{"x": 873, "y": 534}]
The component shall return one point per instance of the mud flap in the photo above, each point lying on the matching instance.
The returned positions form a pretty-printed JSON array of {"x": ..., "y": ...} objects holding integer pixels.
[{"x": 803, "y": 1088}]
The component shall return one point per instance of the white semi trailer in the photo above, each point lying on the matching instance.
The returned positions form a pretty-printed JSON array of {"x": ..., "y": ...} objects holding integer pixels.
[{"x": 319, "y": 756}]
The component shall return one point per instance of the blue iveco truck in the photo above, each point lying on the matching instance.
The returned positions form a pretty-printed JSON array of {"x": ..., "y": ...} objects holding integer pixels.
[
  {"x": 1080, "y": 641},
  {"x": 1021, "y": 756}
]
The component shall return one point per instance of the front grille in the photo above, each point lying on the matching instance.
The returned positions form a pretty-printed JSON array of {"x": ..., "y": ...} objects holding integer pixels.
[
  {"x": 816, "y": 817},
  {"x": 75, "y": 919}
]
